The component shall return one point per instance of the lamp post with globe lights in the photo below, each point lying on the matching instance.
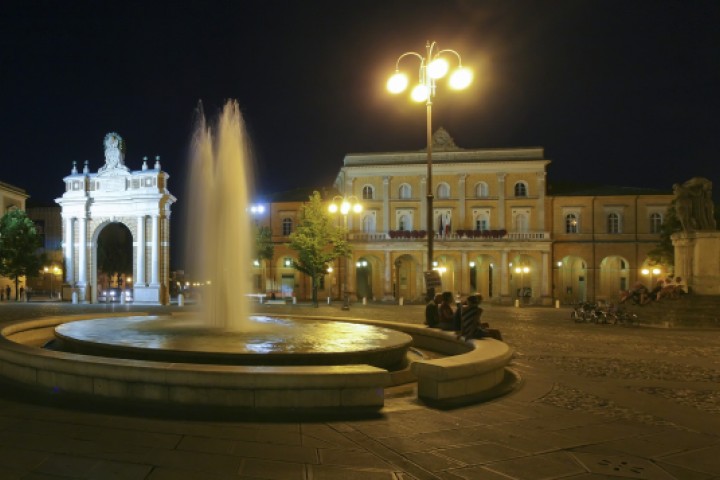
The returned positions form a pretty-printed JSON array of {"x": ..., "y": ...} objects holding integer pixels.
[
  {"x": 344, "y": 205},
  {"x": 433, "y": 66}
]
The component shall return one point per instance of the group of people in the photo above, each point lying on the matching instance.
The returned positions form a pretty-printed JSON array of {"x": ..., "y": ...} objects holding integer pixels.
[
  {"x": 671, "y": 287},
  {"x": 464, "y": 320},
  {"x": 5, "y": 293}
]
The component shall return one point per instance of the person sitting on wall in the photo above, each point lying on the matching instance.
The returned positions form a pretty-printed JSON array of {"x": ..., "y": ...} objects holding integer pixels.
[
  {"x": 471, "y": 327},
  {"x": 680, "y": 287},
  {"x": 446, "y": 312},
  {"x": 655, "y": 292},
  {"x": 457, "y": 318},
  {"x": 638, "y": 295},
  {"x": 668, "y": 290},
  {"x": 432, "y": 312}
]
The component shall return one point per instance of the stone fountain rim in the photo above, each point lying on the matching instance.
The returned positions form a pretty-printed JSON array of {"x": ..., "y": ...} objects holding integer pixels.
[{"x": 253, "y": 388}]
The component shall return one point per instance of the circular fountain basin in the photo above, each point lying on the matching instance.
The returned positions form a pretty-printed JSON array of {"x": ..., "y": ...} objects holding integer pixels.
[{"x": 269, "y": 341}]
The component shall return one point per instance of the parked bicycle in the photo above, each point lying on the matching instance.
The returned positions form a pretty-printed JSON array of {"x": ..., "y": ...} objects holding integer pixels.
[
  {"x": 602, "y": 313},
  {"x": 583, "y": 312}
]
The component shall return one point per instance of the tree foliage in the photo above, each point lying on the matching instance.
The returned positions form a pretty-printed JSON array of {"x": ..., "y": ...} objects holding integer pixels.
[
  {"x": 19, "y": 242},
  {"x": 264, "y": 248},
  {"x": 318, "y": 241},
  {"x": 664, "y": 251}
]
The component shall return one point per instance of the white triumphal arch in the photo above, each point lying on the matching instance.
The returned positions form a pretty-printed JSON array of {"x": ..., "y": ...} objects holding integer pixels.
[{"x": 139, "y": 200}]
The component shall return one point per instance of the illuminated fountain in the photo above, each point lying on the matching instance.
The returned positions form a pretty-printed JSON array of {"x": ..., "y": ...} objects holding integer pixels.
[
  {"x": 220, "y": 232},
  {"x": 219, "y": 244},
  {"x": 225, "y": 358}
]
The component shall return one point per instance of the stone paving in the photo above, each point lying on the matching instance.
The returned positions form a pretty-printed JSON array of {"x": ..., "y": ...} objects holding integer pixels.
[{"x": 594, "y": 402}]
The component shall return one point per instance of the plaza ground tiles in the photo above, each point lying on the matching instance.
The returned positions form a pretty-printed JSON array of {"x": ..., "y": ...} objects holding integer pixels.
[{"x": 595, "y": 402}]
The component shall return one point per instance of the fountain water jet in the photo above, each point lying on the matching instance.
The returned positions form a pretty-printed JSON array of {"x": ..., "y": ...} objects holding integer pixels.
[{"x": 220, "y": 231}]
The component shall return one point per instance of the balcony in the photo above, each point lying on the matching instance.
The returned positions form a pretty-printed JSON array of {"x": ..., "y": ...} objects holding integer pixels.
[{"x": 458, "y": 235}]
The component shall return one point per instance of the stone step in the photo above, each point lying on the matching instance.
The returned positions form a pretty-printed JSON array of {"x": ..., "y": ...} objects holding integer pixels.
[{"x": 690, "y": 310}]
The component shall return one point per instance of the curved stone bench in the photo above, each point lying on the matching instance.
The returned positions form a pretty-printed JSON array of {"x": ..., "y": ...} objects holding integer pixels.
[
  {"x": 471, "y": 371},
  {"x": 293, "y": 388}
]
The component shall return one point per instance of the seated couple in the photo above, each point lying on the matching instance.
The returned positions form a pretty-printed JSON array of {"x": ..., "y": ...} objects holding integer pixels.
[{"x": 465, "y": 320}]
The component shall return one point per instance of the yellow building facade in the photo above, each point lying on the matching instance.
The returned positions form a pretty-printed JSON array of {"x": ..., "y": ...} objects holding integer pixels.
[{"x": 498, "y": 230}]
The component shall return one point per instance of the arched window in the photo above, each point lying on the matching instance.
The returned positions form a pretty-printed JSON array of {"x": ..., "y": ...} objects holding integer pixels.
[
  {"x": 481, "y": 190},
  {"x": 404, "y": 192},
  {"x": 521, "y": 189},
  {"x": 287, "y": 226},
  {"x": 443, "y": 190},
  {"x": 613, "y": 223},
  {"x": 481, "y": 224},
  {"x": 404, "y": 223},
  {"x": 655, "y": 222},
  {"x": 571, "y": 223},
  {"x": 368, "y": 193}
]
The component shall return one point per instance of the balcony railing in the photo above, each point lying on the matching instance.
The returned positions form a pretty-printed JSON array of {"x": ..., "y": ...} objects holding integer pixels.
[{"x": 458, "y": 235}]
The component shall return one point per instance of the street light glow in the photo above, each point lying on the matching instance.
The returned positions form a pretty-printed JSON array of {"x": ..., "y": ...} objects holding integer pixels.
[
  {"x": 420, "y": 93},
  {"x": 438, "y": 68},
  {"x": 344, "y": 205},
  {"x": 460, "y": 78},
  {"x": 397, "y": 83}
]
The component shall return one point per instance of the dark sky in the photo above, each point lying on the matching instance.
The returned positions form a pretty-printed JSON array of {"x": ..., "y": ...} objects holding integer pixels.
[{"x": 621, "y": 92}]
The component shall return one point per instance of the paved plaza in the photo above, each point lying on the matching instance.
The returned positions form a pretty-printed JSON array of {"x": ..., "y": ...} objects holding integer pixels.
[{"x": 593, "y": 402}]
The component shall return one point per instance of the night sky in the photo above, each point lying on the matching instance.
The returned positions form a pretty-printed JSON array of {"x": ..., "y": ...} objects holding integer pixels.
[{"x": 617, "y": 92}]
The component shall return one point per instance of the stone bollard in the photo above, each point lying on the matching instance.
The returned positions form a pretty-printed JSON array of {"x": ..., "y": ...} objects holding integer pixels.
[
  {"x": 328, "y": 300},
  {"x": 402, "y": 301},
  {"x": 294, "y": 300},
  {"x": 517, "y": 302},
  {"x": 181, "y": 300},
  {"x": 122, "y": 297},
  {"x": 74, "y": 298},
  {"x": 364, "y": 300},
  {"x": 557, "y": 303}
]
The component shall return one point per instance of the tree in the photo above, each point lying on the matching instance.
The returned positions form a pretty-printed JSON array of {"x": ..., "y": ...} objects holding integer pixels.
[
  {"x": 664, "y": 251},
  {"x": 318, "y": 242},
  {"x": 19, "y": 242},
  {"x": 264, "y": 248}
]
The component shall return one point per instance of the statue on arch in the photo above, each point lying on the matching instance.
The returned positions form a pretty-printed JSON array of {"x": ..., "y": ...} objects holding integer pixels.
[
  {"x": 694, "y": 205},
  {"x": 114, "y": 155}
]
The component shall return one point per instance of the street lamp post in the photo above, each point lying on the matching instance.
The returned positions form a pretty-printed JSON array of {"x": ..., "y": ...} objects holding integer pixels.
[
  {"x": 47, "y": 270},
  {"x": 522, "y": 271},
  {"x": 653, "y": 273},
  {"x": 344, "y": 205},
  {"x": 432, "y": 67}
]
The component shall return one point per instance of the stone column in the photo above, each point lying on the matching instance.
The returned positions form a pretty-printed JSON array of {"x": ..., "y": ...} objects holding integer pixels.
[
  {"x": 545, "y": 279},
  {"x": 464, "y": 277},
  {"x": 141, "y": 244},
  {"x": 69, "y": 252},
  {"x": 504, "y": 278},
  {"x": 424, "y": 206},
  {"x": 155, "y": 251},
  {"x": 386, "y": 204},
  {"x": 540, "y": 225},
  {"x": 388, "y": 292},
  {"x": 501, "y": 203},
  {"x": 82, "y": 252},
  {"x": 461, "y": 204}
]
